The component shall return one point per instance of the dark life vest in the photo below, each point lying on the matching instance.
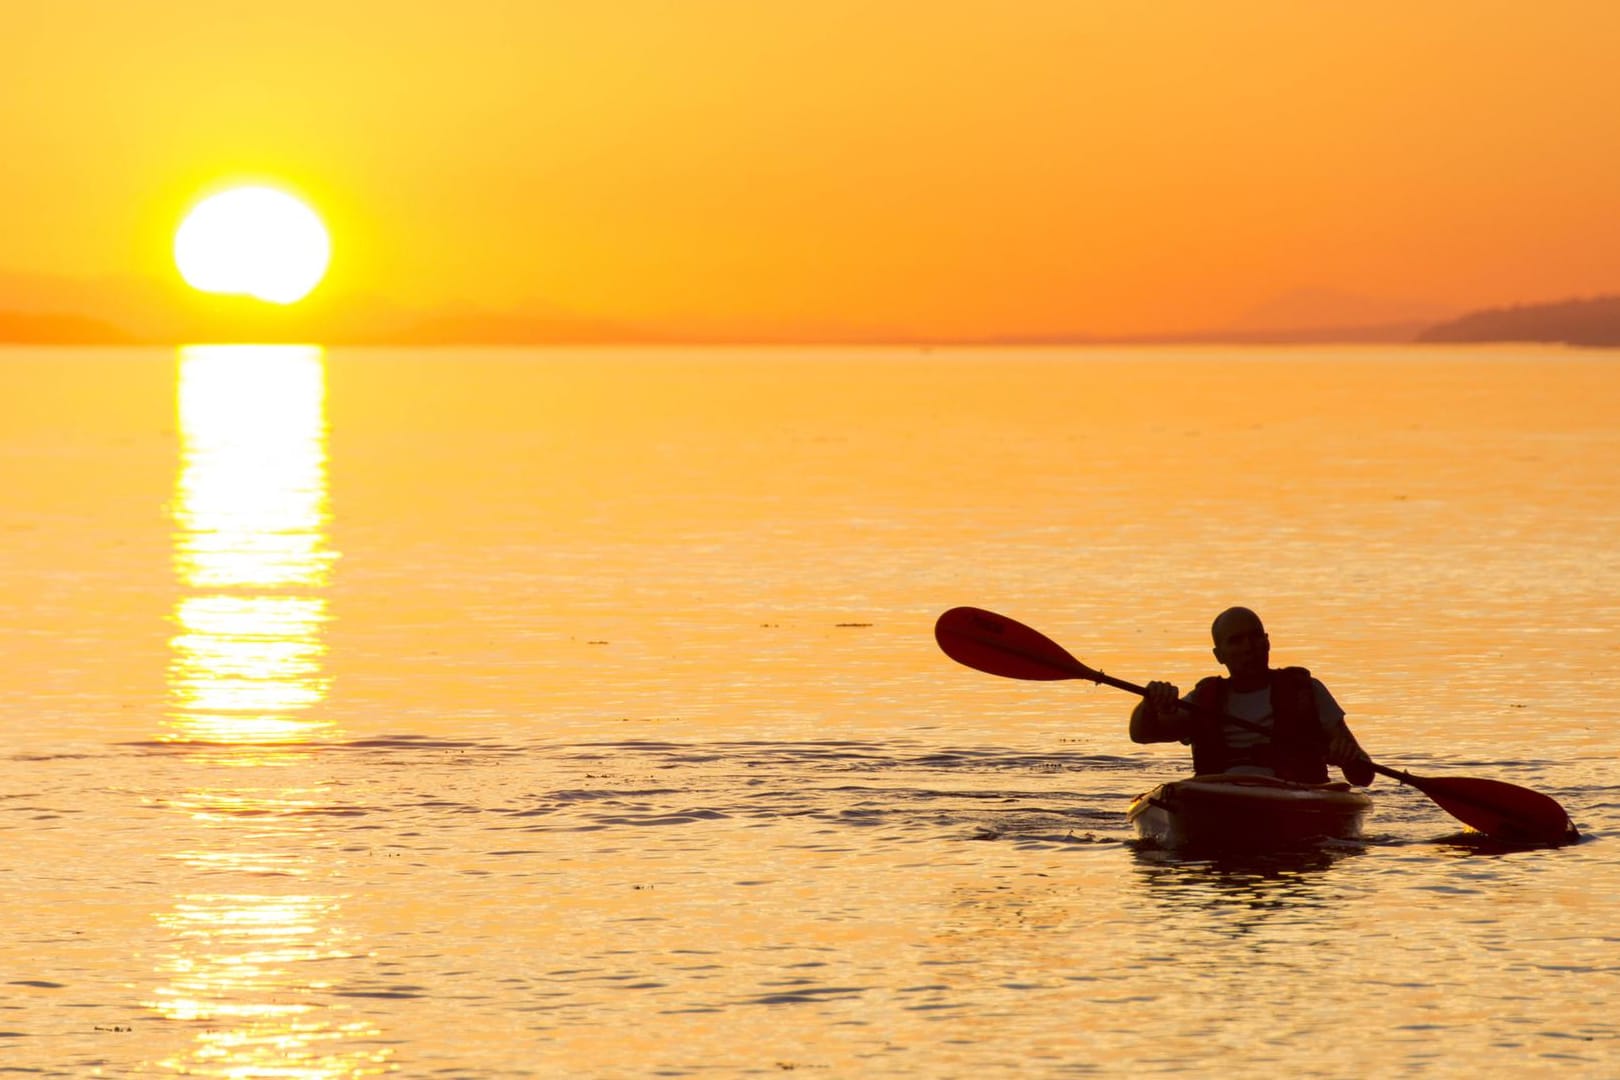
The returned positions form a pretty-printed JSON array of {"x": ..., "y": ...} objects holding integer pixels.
[{"x": 1297, "y": 749}]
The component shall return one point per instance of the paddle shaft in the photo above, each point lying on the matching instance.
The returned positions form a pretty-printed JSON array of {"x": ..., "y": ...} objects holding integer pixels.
[
  {"x": 1043, "y": 651},
  {"x": 1214, "y": 714}
]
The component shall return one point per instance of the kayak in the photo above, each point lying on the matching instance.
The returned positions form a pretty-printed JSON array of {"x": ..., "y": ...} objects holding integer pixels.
[
  {"x": 1239, "y": 811},
  {"x": 1252, "y": 813}
]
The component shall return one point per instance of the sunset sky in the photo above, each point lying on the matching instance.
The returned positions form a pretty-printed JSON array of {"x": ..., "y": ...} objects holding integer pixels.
[{"x": 889, "y": 167}]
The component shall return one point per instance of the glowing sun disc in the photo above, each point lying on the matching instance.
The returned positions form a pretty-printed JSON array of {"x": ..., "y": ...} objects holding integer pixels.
[{"x": 253, "y": 241}]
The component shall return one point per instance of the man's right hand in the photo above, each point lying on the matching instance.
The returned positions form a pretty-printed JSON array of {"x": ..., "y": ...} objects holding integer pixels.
[
  {"x": 1164, "y": 699},
  {"x": 1156, "y": 718}
]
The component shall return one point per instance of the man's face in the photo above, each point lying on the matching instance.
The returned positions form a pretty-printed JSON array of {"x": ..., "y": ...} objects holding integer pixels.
[{"x": 1242, "y": 645}]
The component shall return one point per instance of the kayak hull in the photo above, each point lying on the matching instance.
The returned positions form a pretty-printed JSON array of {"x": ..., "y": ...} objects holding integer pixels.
[{"x": 1228, "y": 811}]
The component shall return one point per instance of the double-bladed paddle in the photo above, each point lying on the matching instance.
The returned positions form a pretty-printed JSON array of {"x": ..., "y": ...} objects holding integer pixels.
[{"x": 998, "y": 645}]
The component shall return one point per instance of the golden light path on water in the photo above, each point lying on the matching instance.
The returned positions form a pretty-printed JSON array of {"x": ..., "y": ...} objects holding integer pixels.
[
  {"x": 253, "y": 559},
  {"x": 250, "y": 543}
]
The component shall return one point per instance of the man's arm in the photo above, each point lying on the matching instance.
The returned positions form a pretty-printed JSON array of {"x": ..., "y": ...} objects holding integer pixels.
[
  {"x": 1158, "y": 717},
  {"x": 1342, "y": 748}
]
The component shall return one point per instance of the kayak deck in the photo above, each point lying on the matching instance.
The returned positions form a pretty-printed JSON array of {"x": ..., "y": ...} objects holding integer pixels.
[{"x": 1237, "y": 811}]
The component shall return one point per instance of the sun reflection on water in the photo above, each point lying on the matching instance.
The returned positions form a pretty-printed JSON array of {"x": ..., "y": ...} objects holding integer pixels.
[
  {"x": 246, "y": 668},
  {"x": 250, "y": 545},
  {"x": 254, "y": 961},
  {"x": 244, "y": 970},
  {"x": 251, "y": 498}
]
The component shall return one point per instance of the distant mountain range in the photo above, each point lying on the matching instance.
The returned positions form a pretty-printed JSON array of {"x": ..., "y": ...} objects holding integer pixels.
[
  {"x": 30, "y": 328},
  {"x": 1591, "y": 322},
  {"x": 45, "y": 310}
]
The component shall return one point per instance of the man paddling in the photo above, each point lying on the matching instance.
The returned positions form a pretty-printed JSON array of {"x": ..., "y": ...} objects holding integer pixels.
[{"x": 1277, "y": 721}]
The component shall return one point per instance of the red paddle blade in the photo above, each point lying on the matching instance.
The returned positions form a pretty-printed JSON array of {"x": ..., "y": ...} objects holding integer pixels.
[
  {"x": 998, "y": 645},
  {"x": 1500, "y": 810}
]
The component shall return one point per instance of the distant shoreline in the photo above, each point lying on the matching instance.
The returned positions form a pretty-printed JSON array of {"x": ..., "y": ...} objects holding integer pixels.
[{"x": 1592, "y": 322}]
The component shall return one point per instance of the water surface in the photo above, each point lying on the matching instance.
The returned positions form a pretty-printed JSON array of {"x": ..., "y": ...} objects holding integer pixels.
[{"x": 575, "y": 712}]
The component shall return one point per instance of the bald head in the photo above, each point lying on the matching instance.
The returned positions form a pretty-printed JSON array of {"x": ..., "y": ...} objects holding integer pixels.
[
  {"x": 1242, "y": 646},
  {"x": 1233, "y": 618}
]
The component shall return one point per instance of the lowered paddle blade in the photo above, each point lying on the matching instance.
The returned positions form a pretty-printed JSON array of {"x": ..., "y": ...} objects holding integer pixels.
[
  {"x": 1498, "y": 809},
  {"x": 992, "y": 643}
]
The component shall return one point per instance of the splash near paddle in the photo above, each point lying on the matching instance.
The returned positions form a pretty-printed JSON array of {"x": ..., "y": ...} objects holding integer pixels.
[{"x": 998, "y": 645}]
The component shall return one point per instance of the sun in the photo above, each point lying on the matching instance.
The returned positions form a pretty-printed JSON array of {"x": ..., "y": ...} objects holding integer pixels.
[{"x": 253, "y": 241}]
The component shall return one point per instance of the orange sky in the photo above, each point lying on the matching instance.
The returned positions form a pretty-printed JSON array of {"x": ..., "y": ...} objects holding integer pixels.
[{"x": 930, "y": 167}]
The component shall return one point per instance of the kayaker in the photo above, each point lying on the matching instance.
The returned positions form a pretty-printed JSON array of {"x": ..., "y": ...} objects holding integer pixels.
[{"x": 1293, "y": 728}]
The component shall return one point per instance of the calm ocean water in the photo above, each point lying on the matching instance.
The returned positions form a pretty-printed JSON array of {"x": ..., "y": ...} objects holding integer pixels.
[{"x": 576, "y": 712}]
